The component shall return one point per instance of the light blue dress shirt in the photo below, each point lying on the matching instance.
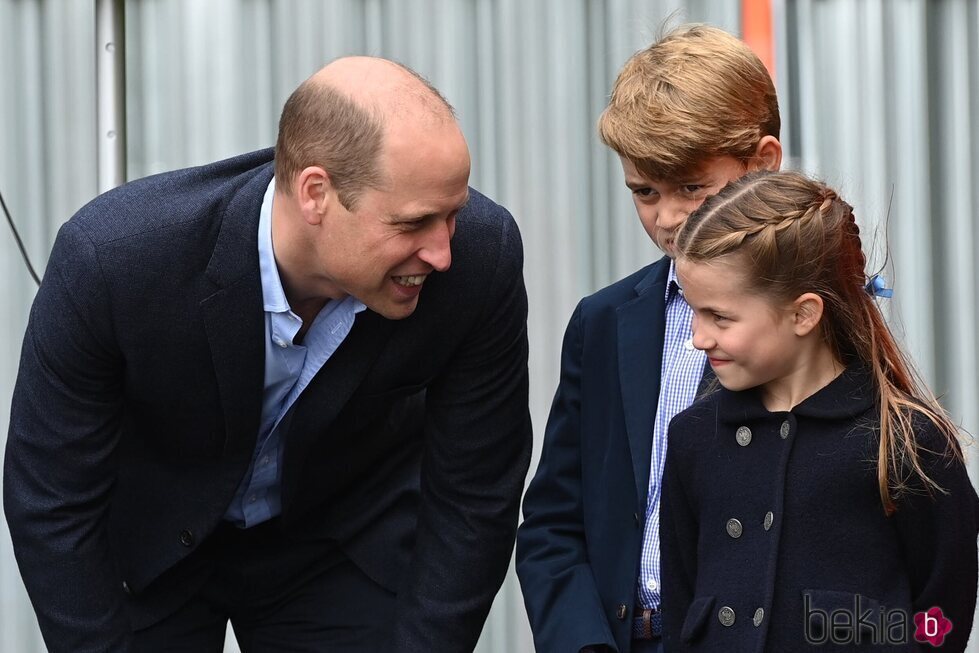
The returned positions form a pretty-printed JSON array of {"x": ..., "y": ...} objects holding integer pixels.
[
  {"x": 289, "y": 368},
  {"x": 683, "y": 367}
]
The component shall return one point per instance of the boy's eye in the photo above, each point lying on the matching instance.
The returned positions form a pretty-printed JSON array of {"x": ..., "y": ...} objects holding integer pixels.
[
  {"x": 692, "y": 189},
  {"x": 718, "y": 317},
  {"x": 643, "y": 192}
]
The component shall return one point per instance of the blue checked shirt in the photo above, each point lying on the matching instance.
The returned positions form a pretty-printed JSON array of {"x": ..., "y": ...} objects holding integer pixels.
[
  {"x": 683, "y": 367},
  {"x": 289, "y": 368}
]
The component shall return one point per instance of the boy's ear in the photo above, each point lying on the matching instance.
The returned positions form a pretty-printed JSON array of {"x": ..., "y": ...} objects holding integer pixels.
[
  {"x": 807, "y": 311},
  {"x": 768, "y": 155}
]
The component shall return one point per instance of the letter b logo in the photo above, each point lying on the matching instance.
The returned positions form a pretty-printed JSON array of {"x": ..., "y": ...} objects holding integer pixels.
[{"x": 931, "y": 626}]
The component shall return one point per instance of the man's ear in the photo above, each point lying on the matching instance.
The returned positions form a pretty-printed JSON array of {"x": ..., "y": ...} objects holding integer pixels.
[
  {"x": 807, "y": 311},
  {"x": 314, "y": 193},
  {"x": 768, "y": 155}
]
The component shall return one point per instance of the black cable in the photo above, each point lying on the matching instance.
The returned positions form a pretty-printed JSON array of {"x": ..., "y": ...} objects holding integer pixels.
[{"x": 20, "y": 243}]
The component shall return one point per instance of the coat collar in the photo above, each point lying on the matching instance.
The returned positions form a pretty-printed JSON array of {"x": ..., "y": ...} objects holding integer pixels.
[{"x": 849, "y": 395}]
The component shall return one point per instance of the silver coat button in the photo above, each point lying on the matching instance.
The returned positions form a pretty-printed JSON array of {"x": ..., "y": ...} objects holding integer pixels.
[
  {"x": 726, "y": 616},
  {"x": 734, "y": 528},
  {"x": 785, "y": 429},
  {"x": 743, "y": 436},
  {"x": 758, "y": 618},
  {"x": 769, "y": 519}
]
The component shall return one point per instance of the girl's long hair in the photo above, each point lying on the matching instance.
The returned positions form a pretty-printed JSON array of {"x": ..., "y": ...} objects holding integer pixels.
[{"x": 795, "y": 235}]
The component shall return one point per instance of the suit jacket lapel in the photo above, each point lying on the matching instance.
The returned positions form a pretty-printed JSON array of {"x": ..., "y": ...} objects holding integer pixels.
[
  {"x": 330, "y": 390},
  {"x": 641, "y": 326},
  {"x": 234, "y": 317}
]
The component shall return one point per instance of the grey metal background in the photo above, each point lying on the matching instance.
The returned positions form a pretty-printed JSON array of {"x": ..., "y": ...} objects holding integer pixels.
[{"x": 879, "y": 97}]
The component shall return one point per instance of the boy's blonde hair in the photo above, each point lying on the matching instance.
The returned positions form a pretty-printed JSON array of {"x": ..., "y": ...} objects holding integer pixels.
[{"x": 698, "y": 92}]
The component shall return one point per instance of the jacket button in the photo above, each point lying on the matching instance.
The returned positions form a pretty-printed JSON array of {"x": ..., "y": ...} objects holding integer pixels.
[
  {"x": 785, "y": 429},
  {"x": 743, "y": 436},
  {"x": 186, "y": 538},
  {"x": 734, "y": 528},
  {"x": 635, "y": 516},
  {"x": 622, "y": 611},
  {"x": 759, "y": 617},
  {"x": 726, "y": 616},
  {"x": 769, "y": 519},
  {"x": 125, "y": 588}
]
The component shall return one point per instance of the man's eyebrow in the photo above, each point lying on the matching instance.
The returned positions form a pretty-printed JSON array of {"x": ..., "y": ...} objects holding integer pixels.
[{"x": 428, "y": 216}]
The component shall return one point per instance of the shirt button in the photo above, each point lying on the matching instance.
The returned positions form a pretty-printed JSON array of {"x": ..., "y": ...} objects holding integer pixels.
[
  {"x": 652, "y": 585},
  {"x": 252, "y": 499},
  {"x": 743, "y": 436},
  {"x": 734, "y": 528},
  {"x": 621, "y": 611},
  {"x": 688, "y": 344},
  {"x": 726, "y": 616},
  {"x": 282, "y": 343}
]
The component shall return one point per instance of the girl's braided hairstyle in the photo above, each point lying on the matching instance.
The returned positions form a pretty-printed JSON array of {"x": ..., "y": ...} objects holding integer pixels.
[{"x": 795, "y": 235}]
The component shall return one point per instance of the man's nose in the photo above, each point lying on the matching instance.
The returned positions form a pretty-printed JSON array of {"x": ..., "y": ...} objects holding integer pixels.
[{"x": 436, "y": 250}]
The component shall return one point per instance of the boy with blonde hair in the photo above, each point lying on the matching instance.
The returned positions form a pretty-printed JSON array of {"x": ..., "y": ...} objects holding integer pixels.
[{"x": 687, "y": 115}]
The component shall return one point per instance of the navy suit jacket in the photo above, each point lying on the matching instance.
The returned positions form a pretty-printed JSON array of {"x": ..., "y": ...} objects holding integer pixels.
[
  {"x": 138, "y": 401},
  {"x": 579, "y": 545}
]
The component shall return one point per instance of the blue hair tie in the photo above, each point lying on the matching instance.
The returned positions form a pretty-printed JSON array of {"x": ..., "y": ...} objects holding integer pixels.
[{"x": 877, "y": 287}]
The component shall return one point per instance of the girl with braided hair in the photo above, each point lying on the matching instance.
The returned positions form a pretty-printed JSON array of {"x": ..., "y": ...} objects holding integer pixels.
[{"x": 819, "y": 498}]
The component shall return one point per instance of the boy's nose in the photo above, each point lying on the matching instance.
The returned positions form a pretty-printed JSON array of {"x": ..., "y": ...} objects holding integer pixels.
[{"x": 671, "y": 214}]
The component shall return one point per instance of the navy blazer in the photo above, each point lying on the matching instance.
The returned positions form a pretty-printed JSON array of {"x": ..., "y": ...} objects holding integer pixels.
[
  {"x": 138, "y": 401},
  {"x": 579, "y": 545},
  {"x": 771, "y": 521}
]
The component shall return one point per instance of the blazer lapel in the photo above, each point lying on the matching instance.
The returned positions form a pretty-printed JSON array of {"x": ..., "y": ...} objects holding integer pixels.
[
  {"x": 330, "y": 390},
  {"x": 641, "y": 326},
  {"x": 234, "y": 317}
]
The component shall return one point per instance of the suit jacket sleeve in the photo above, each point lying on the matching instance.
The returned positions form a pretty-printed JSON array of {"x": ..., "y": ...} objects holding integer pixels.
[
  {"x": 939, "y": 537},
  {"x": 678, "y": 541},
  {"x": 560, "y": 593},
  {"x": 477, "y": 450},
  {"x": 59, "y": 465}
]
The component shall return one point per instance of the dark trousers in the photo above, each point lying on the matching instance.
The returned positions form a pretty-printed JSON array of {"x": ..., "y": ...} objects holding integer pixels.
[
  {"x": 647, "y": 646},
  {"x": 279, "y": 593}
]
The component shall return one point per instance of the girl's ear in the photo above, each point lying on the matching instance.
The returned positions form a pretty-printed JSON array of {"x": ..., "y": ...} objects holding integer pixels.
[{"x": 807, "y": 311}]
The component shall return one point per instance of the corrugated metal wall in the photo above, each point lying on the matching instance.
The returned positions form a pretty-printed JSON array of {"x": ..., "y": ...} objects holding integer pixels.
[{"x": 879, "y": 97}]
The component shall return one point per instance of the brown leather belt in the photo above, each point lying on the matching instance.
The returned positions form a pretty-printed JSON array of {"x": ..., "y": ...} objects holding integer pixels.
[{"x": 647, "y": 624}]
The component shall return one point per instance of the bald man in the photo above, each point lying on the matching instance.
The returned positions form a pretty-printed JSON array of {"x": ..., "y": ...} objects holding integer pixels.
[{"x": 287, "y": 390}]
